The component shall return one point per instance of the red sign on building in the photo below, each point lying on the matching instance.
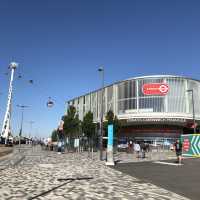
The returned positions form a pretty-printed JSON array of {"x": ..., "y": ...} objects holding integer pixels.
[
  {"x": 186, "y": 144},
  {"x": 155, "y": 89}
]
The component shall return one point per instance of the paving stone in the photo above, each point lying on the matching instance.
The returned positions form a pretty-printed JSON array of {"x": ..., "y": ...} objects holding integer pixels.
[{"x": 40, "y": 170}]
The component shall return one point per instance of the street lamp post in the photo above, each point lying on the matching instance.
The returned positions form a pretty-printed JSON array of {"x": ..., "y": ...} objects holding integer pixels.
[
  {"x": 31, "y": 123},
  {"x": 101, "y": 70},
  {"x": 22, "y": 118},
  {"x": 193, "y": 111}
]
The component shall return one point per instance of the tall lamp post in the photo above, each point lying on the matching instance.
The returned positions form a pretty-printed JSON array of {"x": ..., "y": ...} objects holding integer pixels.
[
  {"x": 22, "y": 118},
  {"x": 101, "y": 71},
  {"x": 31, "y": 123},
  {"x": 193, "y": 111}
]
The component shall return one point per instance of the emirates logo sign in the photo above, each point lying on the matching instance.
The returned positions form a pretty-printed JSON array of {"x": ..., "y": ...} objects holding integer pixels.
[{"x": 155, "y": 89}]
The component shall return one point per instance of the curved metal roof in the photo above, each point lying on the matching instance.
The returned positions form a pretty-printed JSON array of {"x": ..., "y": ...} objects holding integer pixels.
[
  {"x": 136, "y": 78},
  {"x": 160, "y": 76}
]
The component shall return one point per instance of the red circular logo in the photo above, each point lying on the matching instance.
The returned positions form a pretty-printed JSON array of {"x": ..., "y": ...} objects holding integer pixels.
[{"x": 163, "y": 88}]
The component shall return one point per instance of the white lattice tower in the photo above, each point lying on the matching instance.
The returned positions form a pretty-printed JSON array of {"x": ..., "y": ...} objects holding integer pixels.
[{"x": 6, "y": 128}]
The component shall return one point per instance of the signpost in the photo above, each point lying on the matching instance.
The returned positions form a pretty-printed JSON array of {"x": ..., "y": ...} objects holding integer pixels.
[
  {"x": 110, "y": 157},
  {"x": 191, "y": 145}
]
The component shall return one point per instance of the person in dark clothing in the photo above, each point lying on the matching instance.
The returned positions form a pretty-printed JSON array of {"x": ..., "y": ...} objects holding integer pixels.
[
  {"x": 61, "y": 140},
  {"x": 143, "y": 148},
  {"x": 178, "y": 149}
]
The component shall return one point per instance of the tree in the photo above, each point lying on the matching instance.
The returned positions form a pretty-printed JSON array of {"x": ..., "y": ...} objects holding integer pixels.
[
  {"x": 54, "y": 136},
  {"x": 111, "y": 119},
  {"x": 88, "y": 127},
  {"x": 71, "y": 125}
]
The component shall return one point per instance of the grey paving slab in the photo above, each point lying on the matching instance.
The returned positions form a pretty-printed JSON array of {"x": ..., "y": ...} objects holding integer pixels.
[{"x": 37, "y": 178}]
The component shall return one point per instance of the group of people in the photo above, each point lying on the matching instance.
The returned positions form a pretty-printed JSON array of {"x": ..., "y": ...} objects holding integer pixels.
[
  {"x": 138, "y": 147},
  {"x": 142, "y": 148}
]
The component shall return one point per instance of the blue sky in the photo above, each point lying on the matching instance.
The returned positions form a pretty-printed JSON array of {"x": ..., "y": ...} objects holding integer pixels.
[{"x": 60, "y": 44}]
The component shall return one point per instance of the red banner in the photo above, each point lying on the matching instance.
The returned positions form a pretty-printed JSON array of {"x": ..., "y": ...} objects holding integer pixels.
[
  {"x": 186, "y": 144},
  {"x": 155, "y": 89}
]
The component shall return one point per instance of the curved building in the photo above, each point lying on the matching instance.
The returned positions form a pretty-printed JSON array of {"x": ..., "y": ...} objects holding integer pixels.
[{"x": 150, "y": 107}]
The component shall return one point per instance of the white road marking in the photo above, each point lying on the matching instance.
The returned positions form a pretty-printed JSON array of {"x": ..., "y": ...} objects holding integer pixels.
[
  {"x": 167, "y": 163},
  {"x": 163, "y": 196}
]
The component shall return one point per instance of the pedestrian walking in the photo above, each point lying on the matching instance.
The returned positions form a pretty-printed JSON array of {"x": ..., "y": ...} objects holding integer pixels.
[
  {"x": 137, "y": 149},
  {"x": 178, "y": 149},
  {"x": 143, "y": 148},
  {"x": 130, "y": 146}
]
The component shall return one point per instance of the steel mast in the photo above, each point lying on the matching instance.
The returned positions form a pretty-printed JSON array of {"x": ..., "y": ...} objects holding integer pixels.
[{"x": 6, "y": 128}]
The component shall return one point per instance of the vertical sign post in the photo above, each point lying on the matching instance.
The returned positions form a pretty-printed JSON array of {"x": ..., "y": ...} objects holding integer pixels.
[{"x": 110, "y": 157}]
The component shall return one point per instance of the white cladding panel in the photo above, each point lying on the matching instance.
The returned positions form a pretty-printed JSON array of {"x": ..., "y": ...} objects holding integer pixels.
[{"x": 127, "y": 97}]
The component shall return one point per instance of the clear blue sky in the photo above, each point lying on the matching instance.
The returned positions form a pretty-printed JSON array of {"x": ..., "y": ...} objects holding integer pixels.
[{"x": 60, "y": 44}]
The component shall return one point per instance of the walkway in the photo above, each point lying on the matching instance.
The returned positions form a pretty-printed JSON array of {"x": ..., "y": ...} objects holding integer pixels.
[{"x": 37, "y": 176}]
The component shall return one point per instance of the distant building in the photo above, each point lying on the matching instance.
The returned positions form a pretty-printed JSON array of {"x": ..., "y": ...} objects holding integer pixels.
[{"x": 151, "y": 108}]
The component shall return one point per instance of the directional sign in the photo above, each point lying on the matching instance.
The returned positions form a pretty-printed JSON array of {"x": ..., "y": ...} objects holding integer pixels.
[{"x": 191, "y": 145}]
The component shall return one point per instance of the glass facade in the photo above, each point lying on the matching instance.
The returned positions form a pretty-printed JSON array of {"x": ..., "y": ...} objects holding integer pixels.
[{"x": 127, "y": 99}]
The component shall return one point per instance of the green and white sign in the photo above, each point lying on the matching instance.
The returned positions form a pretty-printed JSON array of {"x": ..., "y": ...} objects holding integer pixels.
[{"x": 191, "y": 145}]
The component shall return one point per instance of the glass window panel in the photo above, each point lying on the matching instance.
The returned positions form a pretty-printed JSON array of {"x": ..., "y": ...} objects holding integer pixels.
[
  {"x": 176, "y": 97},
  {"x": 194, "y": 85},
  {"x": 151, "y": 104},
  {"x": 127, "y": 89},
  {"x": 110, "y": 98},
  {"x": 127, "y": 105}
]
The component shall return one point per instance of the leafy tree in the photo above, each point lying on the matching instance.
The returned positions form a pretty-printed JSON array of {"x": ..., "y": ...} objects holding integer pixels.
[
  {"x": 111, "y": 119},
  {"x": 71, "y": 125},
  {"x": 54, "y": 136},
  {"x": 88, "y": 127}
]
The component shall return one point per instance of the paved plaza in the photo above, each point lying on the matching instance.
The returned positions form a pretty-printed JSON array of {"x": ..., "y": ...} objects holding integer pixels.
[
  {"x": 5, "y": 150},
  {"x": 36, "y": 176}
]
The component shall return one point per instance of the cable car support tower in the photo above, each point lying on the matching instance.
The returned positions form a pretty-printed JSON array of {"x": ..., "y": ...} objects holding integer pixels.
[{"x": 6, "y": 128}]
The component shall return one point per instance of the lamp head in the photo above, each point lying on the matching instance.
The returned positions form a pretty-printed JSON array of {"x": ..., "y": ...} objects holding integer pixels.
[
  {"x": 101, "y": 69},
  {"x": 13, "y": 65}
]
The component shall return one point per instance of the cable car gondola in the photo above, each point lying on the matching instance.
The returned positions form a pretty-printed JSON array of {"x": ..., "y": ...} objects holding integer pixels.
[
  {"x": 50, "y": 103},
  {"x": 30, "y": 81}
]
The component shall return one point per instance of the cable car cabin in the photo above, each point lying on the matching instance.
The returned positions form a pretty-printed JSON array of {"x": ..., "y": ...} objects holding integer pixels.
[{"x": 50, "y": 104}]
